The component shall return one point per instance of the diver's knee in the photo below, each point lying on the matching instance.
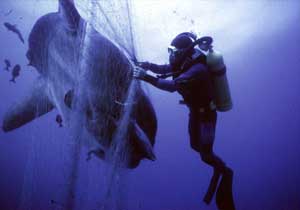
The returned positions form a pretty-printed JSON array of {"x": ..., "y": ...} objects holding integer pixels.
[
  {"x": 207, "y": 157},
  {"x": 228, "y": 171},
  {"x": 195, "y": 148}
]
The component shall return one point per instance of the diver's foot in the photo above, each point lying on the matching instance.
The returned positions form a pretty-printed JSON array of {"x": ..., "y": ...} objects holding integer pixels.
[
  {"x": 228, "y": 172},
  {"x": 224, "y": 196},
  {"x": 212, "y": 187}
]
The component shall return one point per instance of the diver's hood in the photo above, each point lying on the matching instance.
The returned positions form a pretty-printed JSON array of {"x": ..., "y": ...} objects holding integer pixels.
[{"x": 178, "y": 59}]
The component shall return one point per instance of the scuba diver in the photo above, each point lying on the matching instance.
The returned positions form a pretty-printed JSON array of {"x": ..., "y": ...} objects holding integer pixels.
[{"x": 199, "y": 76}]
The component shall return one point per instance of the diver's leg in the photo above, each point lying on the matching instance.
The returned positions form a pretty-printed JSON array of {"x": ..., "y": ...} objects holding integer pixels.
[
  {"x": 224, "y": 197},
  {"x": 202, "y": 133},
  {"x": 210, "y": 158},
  {"x": 196, "y": 142},
  {"x": 212, "y": 187},
  {"x": 219, "y": 166}
]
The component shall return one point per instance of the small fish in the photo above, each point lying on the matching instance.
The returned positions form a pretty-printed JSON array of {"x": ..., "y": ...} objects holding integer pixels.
[
  {"x": 69, "y": 98},
  {"x": 59, "y": 120},
  {"x": 13, "y": 28},
  {"x": 7, "y": 64},
  {"x": 15, "y": 73}
]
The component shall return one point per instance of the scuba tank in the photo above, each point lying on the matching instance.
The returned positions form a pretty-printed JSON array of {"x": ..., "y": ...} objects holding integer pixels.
[
  {"x": 216, "y": 66},
  {"x": 215, "y": 63}
]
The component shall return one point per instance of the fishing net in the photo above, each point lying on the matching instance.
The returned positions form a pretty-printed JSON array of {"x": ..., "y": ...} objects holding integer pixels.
[
  {"x": 112, "y": 19},
  {"x": 57, "y": 175},
  {"x": 102, "y": 101},
  {"x": 102, "y": 105},
  {"x": 103, "y": 97}
]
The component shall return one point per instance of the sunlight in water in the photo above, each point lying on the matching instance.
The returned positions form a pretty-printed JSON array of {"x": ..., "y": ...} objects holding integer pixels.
[{"x": 234, "y": 22}]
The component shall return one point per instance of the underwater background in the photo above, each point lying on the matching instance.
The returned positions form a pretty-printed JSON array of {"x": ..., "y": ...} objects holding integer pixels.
[{"x": 258, "y": 138}]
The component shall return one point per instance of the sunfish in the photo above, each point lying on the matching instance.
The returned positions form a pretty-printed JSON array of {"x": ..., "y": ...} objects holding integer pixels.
[{"x": 55, "y": 51}]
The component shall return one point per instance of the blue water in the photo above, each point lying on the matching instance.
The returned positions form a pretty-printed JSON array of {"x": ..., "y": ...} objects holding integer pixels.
[{"x": 259, "y": 138}]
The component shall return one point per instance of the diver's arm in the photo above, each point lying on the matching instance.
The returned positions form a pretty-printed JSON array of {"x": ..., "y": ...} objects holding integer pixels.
[
  {"x": 160, "y": 69},
  {"x": 197, "y": 72},
  {"x": 155, "y": 68},
  {"x": 168, "y": 85}
]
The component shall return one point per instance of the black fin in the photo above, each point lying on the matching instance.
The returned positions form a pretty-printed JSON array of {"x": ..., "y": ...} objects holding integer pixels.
[
  {"x": 224, "y": 197},
  {"x": 212, "y": 187}
]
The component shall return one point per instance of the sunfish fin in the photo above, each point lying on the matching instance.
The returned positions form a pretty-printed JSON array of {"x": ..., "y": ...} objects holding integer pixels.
[
  {"x": 32, "y": 106},
  {"x": 144, "y": 142},
  {"x": 69, "y": 14}
]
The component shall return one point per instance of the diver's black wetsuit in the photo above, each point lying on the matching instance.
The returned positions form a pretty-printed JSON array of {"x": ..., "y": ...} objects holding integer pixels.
[
  {"x": 193, "y": 80},
  {"x": 195, "y": 86}
]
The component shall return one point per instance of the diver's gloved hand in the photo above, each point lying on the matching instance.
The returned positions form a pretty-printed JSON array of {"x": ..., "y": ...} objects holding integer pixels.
[
  {"x": 144, "y": 65},
  {"x": 139, "y": 73}
]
